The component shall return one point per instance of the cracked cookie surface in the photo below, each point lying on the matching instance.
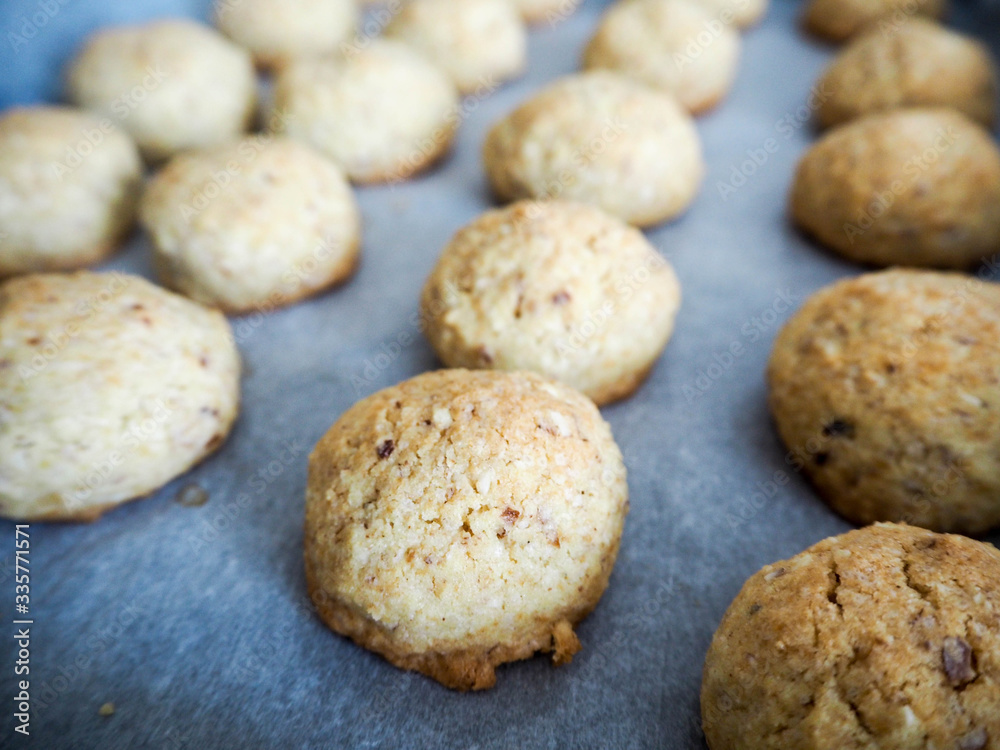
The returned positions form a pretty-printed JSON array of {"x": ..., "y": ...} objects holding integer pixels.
[
  {"x": 885, "y": 389},
  {"x": 883, "y": 638},
  {"x": 462, "y": 519}
]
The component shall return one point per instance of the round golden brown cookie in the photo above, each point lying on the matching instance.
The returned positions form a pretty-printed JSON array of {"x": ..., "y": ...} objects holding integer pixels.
[
  {"x": 598, "y": 138},
  {"x": 109, "y": 388},
  {"x": 382, "y": 113},
  {"x": 463, "y": 519},
  {"x": 677, "y": 46},
  {"x": 886, "y": 638},
  {"x": 172, "y": 84},
  {"x": 885, "y": 391},
  {"x": 68, "y": 187},
  {"x": 558, "y": 288},
  {"x": 839, "y": 19},
  {"x": 914, "y": 187},
  {"x": 255, "y": 224},
  {"x": 922, "y": 64}
]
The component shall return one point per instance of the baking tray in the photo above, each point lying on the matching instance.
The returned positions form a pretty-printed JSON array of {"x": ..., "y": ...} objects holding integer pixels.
[{"x": 194, "y": 621}]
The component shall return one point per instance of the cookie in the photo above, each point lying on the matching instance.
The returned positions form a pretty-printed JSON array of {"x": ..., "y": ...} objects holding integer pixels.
[
  {"x": 887, "y": 637},
  {"x": 913, "y": 187},
  {"x": 677, "y": 46},
  {"x": 253, "y": 225},
  {"x": 464, "y": 519},
  {"x": 743, "y": 13},
  {"x": 109, "y": 388},
  {"x": 602, "y": 139},
  {"x": 277, "y": 31},
  {"x": 922, "y": 64},
  {"x": 549, "y": 12},
  {"x": 884, "y": 389},
  {"x": 68, "y": 186},
  {"x": 838, "y": 20},
  {"x": 172, "y": 85},
  {"x": 558, "y": 288},
  {"x": 478, "y": 43},
  {"x": 383, "y": 113}
]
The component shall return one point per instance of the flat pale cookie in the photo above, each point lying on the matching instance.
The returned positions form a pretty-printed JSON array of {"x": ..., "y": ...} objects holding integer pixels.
[
  {"x": 109, "y": 388},
  {"x": 478, "y": 43},
  {"x": 173, "y": 85},
  {"x": 252, "y": 225},
  {"x": 922, "y": 64},
  {"x": 887, "y": 638},
  {"x": 884, "y": 389},
  {"x": 558, "y": 288},
  {"x": 837, "y": 20},
  {"x": 68, "y": 188},
  {"x": 461, "y": 520},
  {"x": 914, "y": 187},
  {"x": 602, "y": 139},
  {"x": 382, "y": 113},
  {"x": 677, "y": 46},
  {"x": 278, "y": 31}
]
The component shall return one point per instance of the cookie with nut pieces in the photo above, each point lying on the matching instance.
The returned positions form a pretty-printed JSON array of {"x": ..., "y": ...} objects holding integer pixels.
[
  {"x": 914, "y": 187},
  {"x": 558, "y": 288},
  {"x": 109, "y": 388},
  {"x": 463, "y": 519},
  {"x": 884, "y": 389},
  {"x": 887, "y": 637}
]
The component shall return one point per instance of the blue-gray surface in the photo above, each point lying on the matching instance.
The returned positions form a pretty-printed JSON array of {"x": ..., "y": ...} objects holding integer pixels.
[{"x": 194, "y": 622}]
